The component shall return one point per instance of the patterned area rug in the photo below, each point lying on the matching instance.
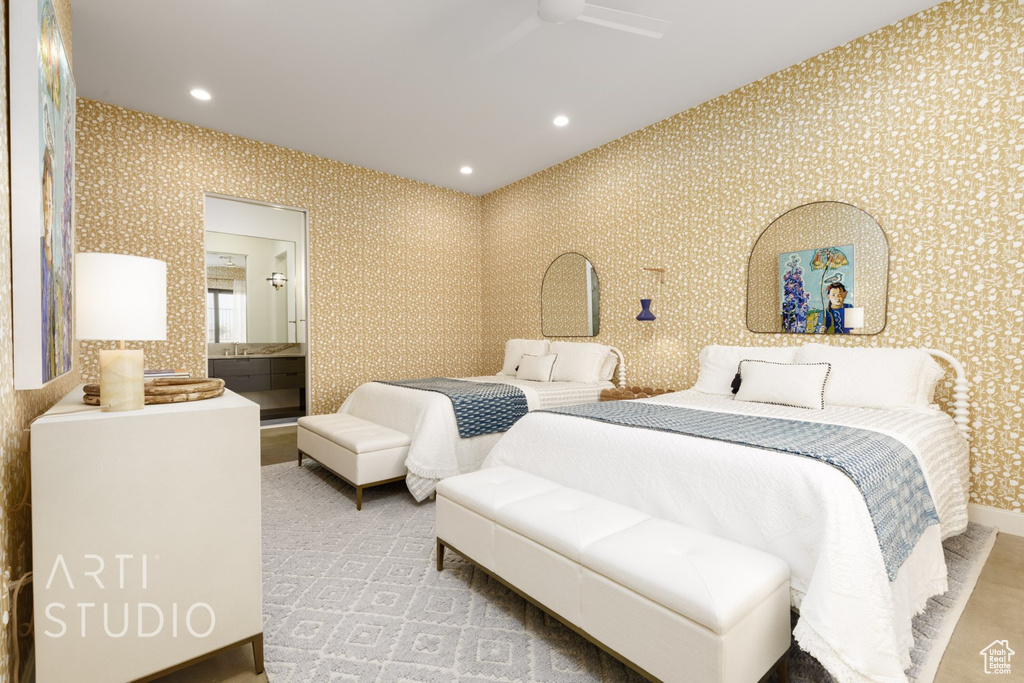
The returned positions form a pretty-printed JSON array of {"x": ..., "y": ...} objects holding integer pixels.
[{"x": 353, "y": 596}]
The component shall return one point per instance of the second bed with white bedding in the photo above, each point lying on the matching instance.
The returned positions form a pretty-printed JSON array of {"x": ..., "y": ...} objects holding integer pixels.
[
  {"x": 852, "y": 618},
  {"x": 437, "y": 451}
]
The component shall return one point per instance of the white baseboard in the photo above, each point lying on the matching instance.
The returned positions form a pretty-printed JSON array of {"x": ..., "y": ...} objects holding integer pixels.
[{"x": 1007, "y": 521}]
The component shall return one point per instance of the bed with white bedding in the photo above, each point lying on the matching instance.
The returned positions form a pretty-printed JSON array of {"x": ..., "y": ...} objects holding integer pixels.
[
  {"x": 852, "y": 617},
  {"x": 437, "y": 451}
]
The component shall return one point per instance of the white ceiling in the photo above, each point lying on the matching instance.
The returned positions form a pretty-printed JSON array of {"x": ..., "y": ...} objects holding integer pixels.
[{"x": 392, "y": 84}]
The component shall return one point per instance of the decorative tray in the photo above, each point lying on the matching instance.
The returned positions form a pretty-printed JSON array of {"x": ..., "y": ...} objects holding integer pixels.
[{"x": 168, "y": 390}]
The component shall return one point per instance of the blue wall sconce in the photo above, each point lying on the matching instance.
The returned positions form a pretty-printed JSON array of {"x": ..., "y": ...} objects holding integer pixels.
[{"x": 645, "y": 304}]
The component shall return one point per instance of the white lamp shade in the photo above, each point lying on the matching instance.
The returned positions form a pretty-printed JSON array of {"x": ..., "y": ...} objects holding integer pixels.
[
  {"x": 120, "y": 297},
  {"x": 853, "y": 318}
]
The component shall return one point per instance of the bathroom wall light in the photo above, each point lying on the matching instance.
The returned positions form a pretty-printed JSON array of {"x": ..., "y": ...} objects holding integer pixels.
[
  {"x": 200, "y": 94},
  {"x": 277, "y": 280}
]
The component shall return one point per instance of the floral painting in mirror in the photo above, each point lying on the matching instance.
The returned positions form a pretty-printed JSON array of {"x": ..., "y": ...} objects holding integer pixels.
[
  {"x": 816, "y": 290},
  {"x": 819, "y": 268}
]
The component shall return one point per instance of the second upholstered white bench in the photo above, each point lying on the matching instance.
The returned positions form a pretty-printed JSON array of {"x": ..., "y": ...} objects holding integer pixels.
[
  {"x": 671, "y": 602},
  {"x": 361, "y": 452}
]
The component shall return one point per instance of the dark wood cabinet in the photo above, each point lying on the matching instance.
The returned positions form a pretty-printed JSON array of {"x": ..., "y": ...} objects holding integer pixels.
[
  {"x": 283, "y": 376},
  {"x": 236, "y": 367}
]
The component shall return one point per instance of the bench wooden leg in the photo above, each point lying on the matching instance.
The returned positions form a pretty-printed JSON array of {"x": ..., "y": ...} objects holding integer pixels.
[
  {"x": 440, "y": 555},
  {"x": 300, "y": 458},
  {"x": 783, "y": 669},
  {"x": 359, "y": 498},
  {"x": 257, "y": 652}
]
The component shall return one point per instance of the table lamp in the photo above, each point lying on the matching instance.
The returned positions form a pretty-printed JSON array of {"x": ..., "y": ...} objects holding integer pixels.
[{"x": 119, "y": 298}]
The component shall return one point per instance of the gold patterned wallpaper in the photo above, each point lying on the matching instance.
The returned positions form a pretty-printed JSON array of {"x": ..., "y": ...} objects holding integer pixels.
[
  {"x": 394, "y": 264},
  {"x": 921, "y": 124},
  {"x": 821, "y": 224},
  {"x": 17, "y": 408}
]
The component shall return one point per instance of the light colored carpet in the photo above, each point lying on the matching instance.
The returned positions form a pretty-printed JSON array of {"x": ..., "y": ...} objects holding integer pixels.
[{"x": 354, "y": 596}]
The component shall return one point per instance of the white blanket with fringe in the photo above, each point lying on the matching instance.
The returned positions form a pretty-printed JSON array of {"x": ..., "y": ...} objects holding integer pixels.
[
  {"x": 427, "y": 417},
  {"x": 852, "y": 618}
]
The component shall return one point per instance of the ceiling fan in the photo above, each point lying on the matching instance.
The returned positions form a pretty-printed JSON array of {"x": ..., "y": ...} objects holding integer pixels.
[{"x": 562, "y": 11}]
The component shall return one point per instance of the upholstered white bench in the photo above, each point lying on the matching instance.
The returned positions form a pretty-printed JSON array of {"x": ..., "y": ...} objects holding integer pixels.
[
  {"x": 362, "y": 453},
  {"x": 673, "y": 603}
]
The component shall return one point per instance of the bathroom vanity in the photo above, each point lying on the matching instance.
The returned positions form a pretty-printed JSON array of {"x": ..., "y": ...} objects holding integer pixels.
[{"x": 276, "y": 382}]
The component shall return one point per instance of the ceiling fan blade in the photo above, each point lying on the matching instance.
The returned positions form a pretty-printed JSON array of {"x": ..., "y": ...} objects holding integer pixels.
[
  {"x": 521, "y": 30},
  {"x": 640, "y": 24}
]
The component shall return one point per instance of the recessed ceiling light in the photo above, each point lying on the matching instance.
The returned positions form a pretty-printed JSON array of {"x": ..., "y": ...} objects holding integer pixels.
[
  {"x": 561, "y": 120},
  {"x": 200, "y": 94},
  {"x": 465, "y": 170}
]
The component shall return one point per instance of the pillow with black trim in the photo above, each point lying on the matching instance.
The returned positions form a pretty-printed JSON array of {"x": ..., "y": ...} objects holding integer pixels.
[
  {"x": 516, "y": 348},
  {"x": 796, "y": 385},
  {"x": 718, "y": 364},
  {"x": 536, "y": 368}
]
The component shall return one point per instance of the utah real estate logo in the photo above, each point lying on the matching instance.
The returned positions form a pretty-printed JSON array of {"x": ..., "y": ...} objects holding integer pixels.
[{"x": 997, "y": 657}]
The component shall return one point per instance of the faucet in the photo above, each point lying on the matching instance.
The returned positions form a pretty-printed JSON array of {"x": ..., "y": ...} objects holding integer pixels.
[{"x": 234, "y": 348}]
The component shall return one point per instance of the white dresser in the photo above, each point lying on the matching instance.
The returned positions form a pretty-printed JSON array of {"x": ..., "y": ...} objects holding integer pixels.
[{"x": 145, "y": 537}]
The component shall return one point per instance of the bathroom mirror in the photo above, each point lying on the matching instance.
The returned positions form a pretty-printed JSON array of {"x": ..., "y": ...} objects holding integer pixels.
[
  {"x": 255, "y": 273},
  {"x": 250, "y": 289},
  {"x": 821, "y": 268},
  {"x": 569, "y": 298}
]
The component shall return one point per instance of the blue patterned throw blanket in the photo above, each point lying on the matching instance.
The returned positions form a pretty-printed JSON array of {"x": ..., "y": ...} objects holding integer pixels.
[
  {"x": 883, "y": 468},
  {"x": 480, "y": 407}
]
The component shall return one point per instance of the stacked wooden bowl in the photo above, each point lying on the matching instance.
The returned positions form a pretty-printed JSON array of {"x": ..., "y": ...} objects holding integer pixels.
[
  {"x": 168, "y": 390},
  {"x": 628, "y": 393}
]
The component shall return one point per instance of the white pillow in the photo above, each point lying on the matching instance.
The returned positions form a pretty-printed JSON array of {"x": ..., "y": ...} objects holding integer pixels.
[
  {"x": 578, "y": 361},
  {"x": 876, "y": 378},
  {"x": 516, "y": 348},
  {"x": 536, "y": 368},
  {"x": 797, "y": 385},
  {"x": 608, "y": 368},
  {"x": 931, "y": 374},
  {"x": 719, "y": 364}
]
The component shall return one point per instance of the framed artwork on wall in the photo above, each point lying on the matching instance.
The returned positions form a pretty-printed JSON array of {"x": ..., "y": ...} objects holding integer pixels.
[
  {"x": 816, "y": 290},
  {"x": 42, "y": 101}
]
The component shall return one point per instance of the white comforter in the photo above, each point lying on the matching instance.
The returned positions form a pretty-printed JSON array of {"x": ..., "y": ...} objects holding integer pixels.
[
  {"x": 427, "y": 417},
  {"x": 852, "y": 618}
]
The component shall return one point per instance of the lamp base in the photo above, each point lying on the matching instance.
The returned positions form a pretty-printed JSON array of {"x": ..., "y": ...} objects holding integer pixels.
[
  {"x": 645, "y": 314},
  {"x": 122, "y": 380}
]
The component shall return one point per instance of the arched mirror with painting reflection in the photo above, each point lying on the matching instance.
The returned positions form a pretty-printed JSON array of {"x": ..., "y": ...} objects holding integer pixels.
[
  {"x": 570, "y": 302},
  {"x": 821, "y": 268}
]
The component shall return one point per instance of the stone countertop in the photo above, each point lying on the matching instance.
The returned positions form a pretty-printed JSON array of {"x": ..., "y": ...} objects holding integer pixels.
[{"x": 258, "y": 355}]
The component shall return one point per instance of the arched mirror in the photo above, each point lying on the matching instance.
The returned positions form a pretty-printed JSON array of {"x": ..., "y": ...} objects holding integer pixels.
[
  {"x": 821, "y": 268},
  {"x": 569, "y": 298}
]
